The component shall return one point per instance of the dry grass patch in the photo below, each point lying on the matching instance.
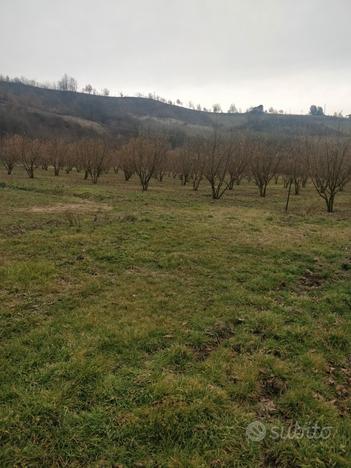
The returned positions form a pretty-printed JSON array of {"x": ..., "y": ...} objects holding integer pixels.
[{"x": 67, "y": 207}]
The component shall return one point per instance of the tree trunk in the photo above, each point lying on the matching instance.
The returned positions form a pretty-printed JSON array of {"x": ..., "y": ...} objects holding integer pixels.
[
  {"x": 330, "y": 203},
  {"x": 288, "y": 197},
  {"x": 263, "y": 189},
  {"x": 297, "y": 188}
]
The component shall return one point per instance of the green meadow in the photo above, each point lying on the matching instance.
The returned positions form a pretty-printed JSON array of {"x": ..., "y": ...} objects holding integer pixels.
[{"x": 149, "y": 329}]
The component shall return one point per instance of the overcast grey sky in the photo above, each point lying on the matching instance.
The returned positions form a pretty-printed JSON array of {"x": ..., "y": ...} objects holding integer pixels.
[{"x": 282, "y": 53}]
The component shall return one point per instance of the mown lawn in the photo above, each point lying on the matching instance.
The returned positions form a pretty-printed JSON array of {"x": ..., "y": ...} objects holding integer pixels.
[{"x": 149, "y": 329}]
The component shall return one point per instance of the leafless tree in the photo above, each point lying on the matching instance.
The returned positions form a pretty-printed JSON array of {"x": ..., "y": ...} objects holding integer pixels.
[
  {"x": 88, "y": 89},
  {"x": 293, "y": 166},
  {"x": 147, "y": 154},
  {"x": 218, "y": 150},
  {"x": 264, "y": 161},
  {"x": 29, "y": 153},
  {"x": 216, "y": 108},
  {"x": 198, "y": 161},
  {"x": 115, "y": 158},
  {"x": 162, "y": 167},
  {"x": 94, "y": 153},
  {"x": 9, "y": 152},
  {"x": 126, "y": 161},
  {"x": 232, "y": 109},
  {"x": 72, "y": 157},
  {"x": 239, "y": 160},
  {"x": 67, "y": 83},
  {"x": 183, "y": 163},
  {"x": 329, "y": 162},
  {"x": 56, "y": 152}
]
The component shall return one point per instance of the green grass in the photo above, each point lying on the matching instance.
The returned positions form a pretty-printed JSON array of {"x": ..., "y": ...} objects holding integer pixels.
[{"x": 149, "y": 329}]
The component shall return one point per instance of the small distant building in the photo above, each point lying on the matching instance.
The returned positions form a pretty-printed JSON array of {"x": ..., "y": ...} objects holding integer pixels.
[{"x": 257, "y": 110}]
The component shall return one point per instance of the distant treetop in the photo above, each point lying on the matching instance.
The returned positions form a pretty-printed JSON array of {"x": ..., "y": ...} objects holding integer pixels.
[{"x": 316, "y": 110}]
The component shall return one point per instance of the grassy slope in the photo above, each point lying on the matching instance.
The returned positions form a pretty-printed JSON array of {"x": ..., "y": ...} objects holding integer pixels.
[
  {"x": 42, "y": 111},
  {"x": 155, "y": 331}
]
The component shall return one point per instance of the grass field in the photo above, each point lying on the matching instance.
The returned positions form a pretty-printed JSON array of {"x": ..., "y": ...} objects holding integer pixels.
[{"x": 149, "y": 329}]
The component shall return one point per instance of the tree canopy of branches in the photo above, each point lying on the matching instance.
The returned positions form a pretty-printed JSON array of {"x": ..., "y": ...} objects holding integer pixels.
[
  {"x": 67, "y": 83},
  {"x": 239, "y": 160},
  {"x": 329, "y": 163},
  {"x": 146, "y": 154},
  {"x": 9, "y": 151},
  {"x": 218, "y": 150},
  {"x": 222, "y": 158},
  {"x": 216, "y": 108},
  {"x": 56, "y": 151},
  {"x": 197, "y": 150},
  {"x": 232, "y": 109},
  {"x": 94, "y": 156},
  {"x": 264, "y": 162},
  {"x": 293, "y": 167},
  {"x": 29, "y": 153},
  {"x": 126, "y": 161}
]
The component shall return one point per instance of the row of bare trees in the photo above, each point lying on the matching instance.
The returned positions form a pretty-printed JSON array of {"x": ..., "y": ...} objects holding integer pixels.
[
  {"x": 89, "y": 154},
  {"x": 221, "y": 160},
  {"x": 224, "y": 162}
]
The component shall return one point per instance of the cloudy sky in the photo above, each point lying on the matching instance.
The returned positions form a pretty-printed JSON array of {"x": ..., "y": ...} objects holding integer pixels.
[{"x": 282, "y": 53}]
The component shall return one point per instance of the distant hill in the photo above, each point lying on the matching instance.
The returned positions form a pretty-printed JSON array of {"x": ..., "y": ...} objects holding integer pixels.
[{"x": 43, "y": 112}]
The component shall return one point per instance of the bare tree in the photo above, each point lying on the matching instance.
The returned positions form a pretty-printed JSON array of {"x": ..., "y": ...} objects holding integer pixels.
[
  {"x": 72, "y": 158},
  {"x": 126, "y": 161},
  {"x": 94, "y": 154},
  {"x": 9, "y": 152},
  {"x": 239, "y": 160},
  {"x": 147, "y": 154},
  {"x": 183, "y": 163},
  {"x": 67, "y": 83},
  {"x": 44, "y": 160},
  {"x": 232, "y": 109},
  {"x": 217, "y": 153},
  {"x": 88, "y": 89},
  {"x": 216, "y": 108},
  {"x": 264, "y": 162},
  {"x": 329, "y": 163},
  {"x": 162, "y": 167},
  {"x": 115, "y": 158},
  {"x": 29, "y": 153},
  {"x": 293, "y": 167},
  {"x": 56, "y": 152},
  {"x": 198, "y": 161}
]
